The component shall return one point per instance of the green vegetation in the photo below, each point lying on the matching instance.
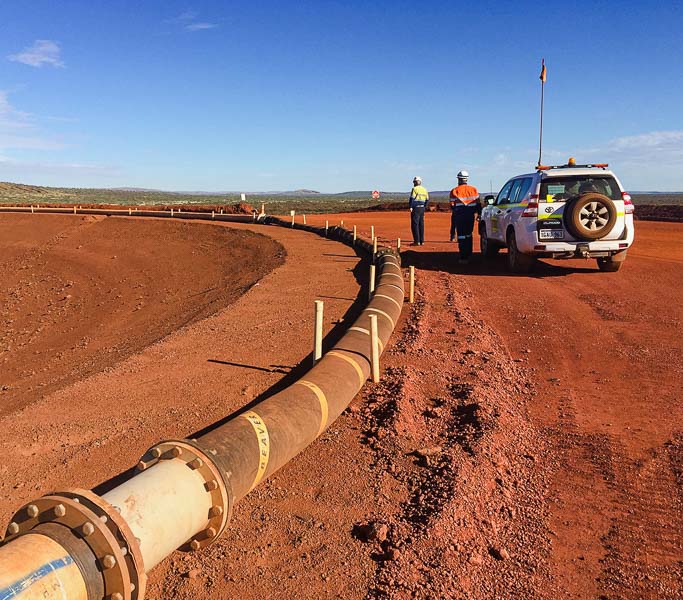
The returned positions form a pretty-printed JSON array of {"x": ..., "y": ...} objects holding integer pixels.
[{"x": 13, "y": 193}]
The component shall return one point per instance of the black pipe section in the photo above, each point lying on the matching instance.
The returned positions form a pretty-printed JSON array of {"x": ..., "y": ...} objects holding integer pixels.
[{"x": 255, "y": 443}]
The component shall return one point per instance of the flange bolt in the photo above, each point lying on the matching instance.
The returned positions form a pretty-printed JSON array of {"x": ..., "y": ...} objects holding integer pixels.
[
  {"x": 108, "y": 561},
  {"x": 60, "y": 510},
  {"x": 32, "y": 511}
]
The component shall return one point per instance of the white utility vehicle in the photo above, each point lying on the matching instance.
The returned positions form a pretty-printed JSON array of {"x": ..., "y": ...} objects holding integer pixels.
[{"x": 567, "y": 211}]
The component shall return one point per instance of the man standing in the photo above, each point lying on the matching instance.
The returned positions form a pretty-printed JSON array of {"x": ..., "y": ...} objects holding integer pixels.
[
  {"x": 464, "y": 207},
  {"x": 419, "y": 198}
]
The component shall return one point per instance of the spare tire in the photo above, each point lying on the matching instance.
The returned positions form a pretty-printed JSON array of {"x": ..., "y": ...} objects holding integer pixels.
[{"x": 590, "y": 217}]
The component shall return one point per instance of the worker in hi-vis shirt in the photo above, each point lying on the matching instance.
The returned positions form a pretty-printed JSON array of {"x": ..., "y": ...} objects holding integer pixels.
[
  {"x": 419, "y": 198},
  {"x": 464, "y": 207}
]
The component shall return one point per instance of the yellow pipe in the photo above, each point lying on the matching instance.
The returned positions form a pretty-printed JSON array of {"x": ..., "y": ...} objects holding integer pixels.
[{"x": 35, "y": 567}]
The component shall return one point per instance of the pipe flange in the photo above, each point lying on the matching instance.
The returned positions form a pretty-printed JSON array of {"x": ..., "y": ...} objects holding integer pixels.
[
  {"x": 86, "y": 524},
  {"x": 112, "y": 518},
  {"x": 197, "y": 460}
]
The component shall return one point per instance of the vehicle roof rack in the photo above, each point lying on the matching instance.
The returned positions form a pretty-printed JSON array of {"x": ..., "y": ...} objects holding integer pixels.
[{"x": 594, "y": 165}]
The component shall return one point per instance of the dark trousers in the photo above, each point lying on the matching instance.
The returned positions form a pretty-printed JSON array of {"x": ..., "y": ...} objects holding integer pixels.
[
  {"x": 464, "y": 224},
  {"x": 452, "y": 237},
  {"x": 417, "y": 224}
]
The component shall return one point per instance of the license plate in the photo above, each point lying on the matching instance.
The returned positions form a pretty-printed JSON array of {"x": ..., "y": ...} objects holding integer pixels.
[{"x": 551, "y": 234}]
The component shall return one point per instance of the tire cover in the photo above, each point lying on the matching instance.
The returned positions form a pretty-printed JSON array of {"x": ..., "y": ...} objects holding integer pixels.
[{"x": 591, "y": 216}]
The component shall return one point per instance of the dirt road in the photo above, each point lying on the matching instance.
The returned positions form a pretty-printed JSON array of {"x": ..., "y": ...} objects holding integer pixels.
[{"x": 525, "y": 441}]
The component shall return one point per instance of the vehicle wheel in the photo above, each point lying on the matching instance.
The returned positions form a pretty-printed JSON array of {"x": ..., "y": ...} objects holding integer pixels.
[
  {"x": 591, "y": 216},
  {"x": 518, "y": 262},
  {"x": 613, "y": 263},
  {"x": 486, "y": 246}
]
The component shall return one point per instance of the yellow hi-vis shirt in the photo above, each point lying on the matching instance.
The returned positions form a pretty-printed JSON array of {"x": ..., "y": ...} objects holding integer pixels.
[{"x": 418, "y": 197}]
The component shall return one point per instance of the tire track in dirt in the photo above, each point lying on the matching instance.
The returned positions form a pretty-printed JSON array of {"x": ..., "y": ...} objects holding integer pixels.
[{"x": 458, "y": 468}]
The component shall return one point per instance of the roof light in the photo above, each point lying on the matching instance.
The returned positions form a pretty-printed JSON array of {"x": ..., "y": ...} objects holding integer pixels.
[{"x": 571, "y": 162}]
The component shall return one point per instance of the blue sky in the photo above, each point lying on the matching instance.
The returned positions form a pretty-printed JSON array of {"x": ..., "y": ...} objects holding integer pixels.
[{"x": 335, "y": 96}]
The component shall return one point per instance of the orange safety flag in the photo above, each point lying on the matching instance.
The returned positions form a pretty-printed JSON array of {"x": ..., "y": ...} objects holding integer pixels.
[{"x": 543, "y": 71}]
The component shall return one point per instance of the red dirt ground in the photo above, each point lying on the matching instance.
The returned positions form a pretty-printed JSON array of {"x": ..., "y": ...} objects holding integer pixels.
[{"x": 526, "y": 439}]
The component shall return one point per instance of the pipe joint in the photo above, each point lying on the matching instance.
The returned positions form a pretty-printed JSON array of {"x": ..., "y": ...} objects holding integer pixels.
[
  {"x": 87, "y": 517},
  {"x": 203, "y": 463}
]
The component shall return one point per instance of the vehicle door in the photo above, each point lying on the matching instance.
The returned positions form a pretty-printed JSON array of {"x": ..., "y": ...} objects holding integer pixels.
[
  {"x": 508, "y": 210},
  {"x": 557, "y": 192},
  {"x": 519, "y": 198},
  {"x": 493, "y": 228}
]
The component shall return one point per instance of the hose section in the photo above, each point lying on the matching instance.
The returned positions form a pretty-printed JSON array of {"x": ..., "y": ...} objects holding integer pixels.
[{"x": 188, "y": 487}]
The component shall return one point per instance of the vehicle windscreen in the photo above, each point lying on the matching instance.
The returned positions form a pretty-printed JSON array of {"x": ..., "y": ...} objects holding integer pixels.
[{"x": 565, "y": 188}]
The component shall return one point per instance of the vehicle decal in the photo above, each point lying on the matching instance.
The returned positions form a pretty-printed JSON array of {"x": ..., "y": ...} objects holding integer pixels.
[{"x": 553, "y": 215}]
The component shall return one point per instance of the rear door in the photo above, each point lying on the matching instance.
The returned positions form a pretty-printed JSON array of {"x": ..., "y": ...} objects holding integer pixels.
[
  {"x": 519, "y": 197},
  {"x": 552, "y": 198},
  {"x": 557, "y": 192}
]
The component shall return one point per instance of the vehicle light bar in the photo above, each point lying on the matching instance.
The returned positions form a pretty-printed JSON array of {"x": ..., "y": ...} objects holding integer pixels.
[{"x": 588, "y": 166}]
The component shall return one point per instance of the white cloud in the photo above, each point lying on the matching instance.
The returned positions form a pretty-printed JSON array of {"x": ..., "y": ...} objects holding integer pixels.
[
  {"x": 660, "y": 148},
  {"x": 18, "y": 130},
  {"x": 189, "y": 22},
  {"x": 43, "y": 52},
  {"x": 200, "y": 26},
  {"x": 10, "y": 117}
]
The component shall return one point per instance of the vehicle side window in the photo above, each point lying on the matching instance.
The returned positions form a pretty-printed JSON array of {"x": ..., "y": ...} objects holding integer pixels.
[
  {"x": 522, "y": 191},
  {"x": 515, "y": 190},
  {"x": 504, "y": 194}
]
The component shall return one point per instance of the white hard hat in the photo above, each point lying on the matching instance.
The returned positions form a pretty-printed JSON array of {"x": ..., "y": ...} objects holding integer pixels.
[
  {"x": 463, "y": 175},
  {"x": 417, "y": 180}
]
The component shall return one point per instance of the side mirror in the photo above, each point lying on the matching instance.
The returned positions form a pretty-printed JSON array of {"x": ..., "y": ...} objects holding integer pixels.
[{"x": 489, "y": 199}]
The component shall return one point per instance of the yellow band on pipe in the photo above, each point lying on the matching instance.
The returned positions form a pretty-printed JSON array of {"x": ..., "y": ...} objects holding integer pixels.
[
  {"x": 263, "y": 444},
  {"x": 388, "y": 298},
  {"x": 367, "y": 332},
  {"x": 353, "y": 363},
  {"x": 321, "y": 399},
  {"x": 381, "y": 312}
]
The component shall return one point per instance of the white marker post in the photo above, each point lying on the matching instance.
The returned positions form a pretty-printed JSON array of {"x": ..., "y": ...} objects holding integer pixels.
[
  {"x": 372, "y": 232},
  {"x": 213, "y": 214},
  {"x": 263, "y": 209},
  {"x": 171, "y": 212},
  {"x": 355, "y": 234},
  {"x": 74, "y": 210},
  {"x": 341, "y": 224},
  {"x": 31, "y": 208},
  {"x": 398, "y": 244},
  {"x": 292, "y": 213},
  {"x": 327, "y": 226},
  {"x": 374, "y": 349},
  {"x": 304, "y": 219},
  {"x": 374, "y": 250},
  {"x": 411, "y": 286},
  {"x": 130, "y": 212},
  {"x": 371, "y": 287},
  {"x": 221, "y": 211},
  {"x": 243, "y": 197},
  {"x": 318, "y": 332}
]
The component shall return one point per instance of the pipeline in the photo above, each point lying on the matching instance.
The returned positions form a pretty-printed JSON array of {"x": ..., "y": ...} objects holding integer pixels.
[
  {"x": 78, "y": 545},
  {"x": 129, "y": 212}
]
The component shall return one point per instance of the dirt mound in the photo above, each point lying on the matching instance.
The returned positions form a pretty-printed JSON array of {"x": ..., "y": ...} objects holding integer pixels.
[
  {"x": 78, "y": 294},
  {"x": 403, "y": 206},
  {"x": 672, "y": 213},
  {"x": 238, "y": 208}
]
